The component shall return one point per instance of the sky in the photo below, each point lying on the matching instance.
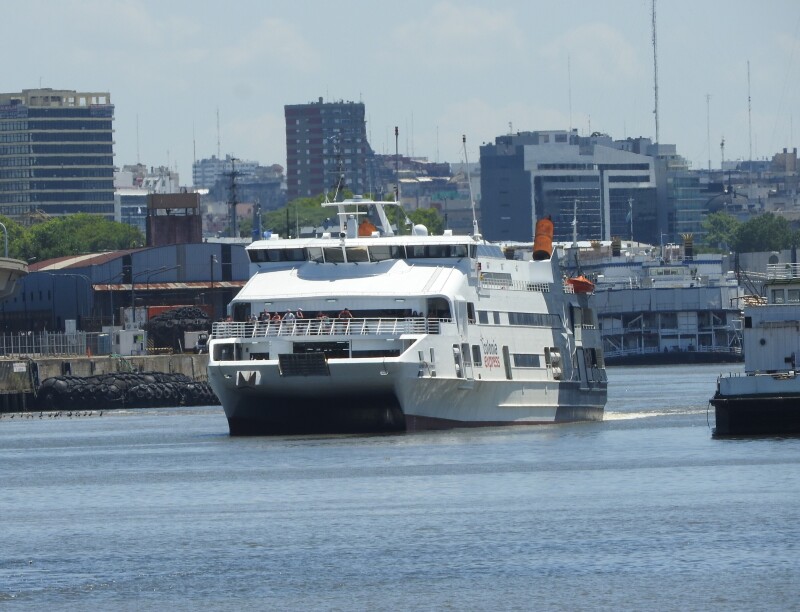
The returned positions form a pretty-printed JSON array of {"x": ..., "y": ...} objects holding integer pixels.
[{"x": 193, "y": 78}]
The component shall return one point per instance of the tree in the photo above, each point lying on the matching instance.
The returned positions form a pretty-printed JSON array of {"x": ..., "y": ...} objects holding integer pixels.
[
  {"x": 766, "y": 232},
  {"x": 76, "y": 234},
  {"x": 721, "y": 231},
  {"x": 298, "y": 213},
  {"x": 430, "y": 218},
  {"x": 15, "y": 236}
]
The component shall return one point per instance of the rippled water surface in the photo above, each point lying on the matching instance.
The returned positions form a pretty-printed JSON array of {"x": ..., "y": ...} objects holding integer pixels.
[{"x": 161, "y": 509}]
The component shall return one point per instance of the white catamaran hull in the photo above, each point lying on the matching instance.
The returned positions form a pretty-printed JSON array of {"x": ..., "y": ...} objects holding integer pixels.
[{"x": 373, "y": 396}]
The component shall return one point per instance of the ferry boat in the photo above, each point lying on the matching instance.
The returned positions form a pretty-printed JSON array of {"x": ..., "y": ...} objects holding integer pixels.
[
  {"x": 364, "y": 330},
  {"x": 765, "y": 400}
]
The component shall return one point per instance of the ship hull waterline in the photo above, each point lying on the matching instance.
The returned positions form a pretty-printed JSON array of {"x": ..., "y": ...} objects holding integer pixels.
[
  {"x": 757, "y": 415},
  {"x": 375, "y": 399}
]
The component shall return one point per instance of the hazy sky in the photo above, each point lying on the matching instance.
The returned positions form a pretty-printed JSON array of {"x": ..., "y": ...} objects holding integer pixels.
[{"x": 437, "y": 70}]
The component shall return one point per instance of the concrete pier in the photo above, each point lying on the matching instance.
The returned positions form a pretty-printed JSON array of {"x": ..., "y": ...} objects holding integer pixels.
[{"x": 20, "y": 377}]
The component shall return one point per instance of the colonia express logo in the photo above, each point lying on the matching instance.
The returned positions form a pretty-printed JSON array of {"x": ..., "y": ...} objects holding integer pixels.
[{"x": 491, "y": 359}]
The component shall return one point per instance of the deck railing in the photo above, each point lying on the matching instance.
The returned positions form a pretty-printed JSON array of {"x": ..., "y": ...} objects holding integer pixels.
[
  {"x": 650, "y": 350},
  {"x": 327, "y": 327},
  {"x": 54, "y": 344},
  {"x": 783, "y": 271}
]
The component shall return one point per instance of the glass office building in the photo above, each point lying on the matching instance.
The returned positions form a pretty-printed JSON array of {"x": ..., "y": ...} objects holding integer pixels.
[{"x": 56, "y": 154}]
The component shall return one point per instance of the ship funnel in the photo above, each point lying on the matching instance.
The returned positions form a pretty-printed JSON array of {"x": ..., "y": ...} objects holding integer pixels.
[{"x": 543, "y": 241}]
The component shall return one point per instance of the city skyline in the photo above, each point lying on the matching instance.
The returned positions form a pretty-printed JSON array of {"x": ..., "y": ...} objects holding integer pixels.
[{"x": 436, "y": 71}]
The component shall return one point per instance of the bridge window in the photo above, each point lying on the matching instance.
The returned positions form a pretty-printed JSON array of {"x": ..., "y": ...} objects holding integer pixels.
[{"x": 383, "y": 252}]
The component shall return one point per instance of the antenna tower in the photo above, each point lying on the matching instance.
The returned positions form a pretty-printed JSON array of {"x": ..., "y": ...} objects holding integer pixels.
[
  {"x": 219, "y": 155},
  {"x": 138, "y": 160},
  {"x": 569, "y": 90},
  {"x": 749, "y": 124},
  {"x": 396, "y": 168},
  {"x": 475, "y": 233},
  {"x": 655, "y": 69},
  {"x": 708, "y": 129}
]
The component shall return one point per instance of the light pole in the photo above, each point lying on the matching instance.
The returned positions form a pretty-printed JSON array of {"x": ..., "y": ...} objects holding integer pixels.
[
  {"x": 111, "y": 294},
  {"x": 5, "y": 234},
  {"x": 212, "y": 261},
  {"x": 133, "y": 288},
  {"x": 159, "y": 271}
]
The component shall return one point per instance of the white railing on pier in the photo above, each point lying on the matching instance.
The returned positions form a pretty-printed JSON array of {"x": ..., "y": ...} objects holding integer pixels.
[
  {"x": 45, "y": 344},
  {"x": 327, "y": 327},
  {"x": 783, "y": 271}
]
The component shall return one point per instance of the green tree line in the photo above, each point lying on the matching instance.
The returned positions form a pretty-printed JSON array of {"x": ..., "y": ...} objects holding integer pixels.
[
  {"x": 767, "y": 232},
  {"x": 70, "y": 235}
]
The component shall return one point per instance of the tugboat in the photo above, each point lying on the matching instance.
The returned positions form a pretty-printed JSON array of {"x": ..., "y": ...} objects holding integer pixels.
[
  {"x": 361, "y": 329},
  {"x": 766, "y": 399}
]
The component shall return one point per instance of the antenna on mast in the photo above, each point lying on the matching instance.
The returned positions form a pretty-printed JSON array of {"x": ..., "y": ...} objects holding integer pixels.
[
  {"x": 749, "y": 128},
  {"x": 219, "y": 155},
  {"x": 138, "y": 161},
  {"x": 569, "y": 90},
  {"x": 396, "y": 167},
  {"x": 708, "y": 130},
  {"x": 655, "y": 70},
  {"x": 475, "y": 233},
  {"x": 575, "y": 223}
]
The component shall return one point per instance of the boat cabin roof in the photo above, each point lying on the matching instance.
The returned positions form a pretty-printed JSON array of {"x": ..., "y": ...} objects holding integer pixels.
[{"x": 372, "y": 249}]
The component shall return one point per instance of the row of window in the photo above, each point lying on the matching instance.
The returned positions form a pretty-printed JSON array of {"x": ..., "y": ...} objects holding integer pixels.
[
  {"x": 56, "y": 149},
  {"x": 473, "y": 356},
  {"x": 358, "y": 254},
  {"x": 91, "y": 172},
  {"x": 14, "y": 137},
  {"x": 56, "y": 161},
  {"x": 78, "y": 112},
  {"x": 67, "y": 198},
  {"x": 23, "y": 209},
  {"x": 57, "y": 185},
  {"x": 789, "y": 296},
  {"x": 14, "y": 125}
]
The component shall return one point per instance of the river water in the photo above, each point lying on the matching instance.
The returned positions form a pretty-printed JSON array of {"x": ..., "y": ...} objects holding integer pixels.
[{"x": 161, "y": 509}]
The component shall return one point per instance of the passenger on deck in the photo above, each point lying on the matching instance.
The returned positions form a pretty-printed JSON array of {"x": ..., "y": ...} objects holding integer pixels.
[
  {"x": 345, "y": 314},
  {"x": 276, "y": 317},
  {"x": 289, "y": 316},
  {"x": 299, "y": 314}
]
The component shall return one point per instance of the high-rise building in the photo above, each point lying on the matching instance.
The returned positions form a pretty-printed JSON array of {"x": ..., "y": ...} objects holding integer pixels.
[
  {"x": 56, "y": 153},
  {"x": 326, "y": 140},
  {"x": 591, "y": 188}
]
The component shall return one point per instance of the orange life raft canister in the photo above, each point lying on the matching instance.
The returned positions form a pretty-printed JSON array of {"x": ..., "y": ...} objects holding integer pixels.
[{"x": 543, "y": 241}]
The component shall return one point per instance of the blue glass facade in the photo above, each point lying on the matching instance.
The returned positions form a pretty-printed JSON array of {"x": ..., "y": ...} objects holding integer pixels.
[{"x": 56, "y": 153}]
